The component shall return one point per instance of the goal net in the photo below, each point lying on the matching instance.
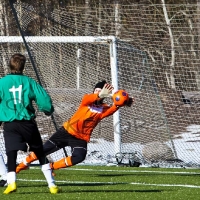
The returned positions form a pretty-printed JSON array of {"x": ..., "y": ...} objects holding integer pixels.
[
  {"x": 68, "y": 52},
  {"x": 69, "y": 67}
]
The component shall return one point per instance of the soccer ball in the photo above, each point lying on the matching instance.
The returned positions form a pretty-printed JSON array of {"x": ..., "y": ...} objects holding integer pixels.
[{"x": 120, "y": 98}]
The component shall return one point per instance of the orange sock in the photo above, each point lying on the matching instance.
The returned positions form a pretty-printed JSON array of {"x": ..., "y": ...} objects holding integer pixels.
[
  {"x": 63, "y": 163},
  {"x": 31, "y": 157}
]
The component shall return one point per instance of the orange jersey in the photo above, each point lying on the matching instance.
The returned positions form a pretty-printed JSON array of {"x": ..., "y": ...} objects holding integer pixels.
[{"x": 85, "y": 119}]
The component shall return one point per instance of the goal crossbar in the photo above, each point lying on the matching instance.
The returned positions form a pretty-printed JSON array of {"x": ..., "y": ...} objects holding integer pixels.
[{"x": 57, "y": 39}]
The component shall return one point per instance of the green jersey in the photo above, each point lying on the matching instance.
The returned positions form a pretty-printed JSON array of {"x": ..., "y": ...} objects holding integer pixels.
[{"x": 17, "y": 93}]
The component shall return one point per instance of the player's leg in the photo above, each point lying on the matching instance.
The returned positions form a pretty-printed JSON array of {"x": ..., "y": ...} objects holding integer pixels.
[
  {"x": 13, "y": 142},
  {"x": 3, "y": 172},
  {"x": 36, "y": 146},
  {"x": 53, "y": 144},
  {"x": 79, "y": 151},
  {"x": 11, "y": 175},
  {"x": 26, "y": 161},
  {"x": 78, "y": 155},
  {"x": 47, "y": 171}
]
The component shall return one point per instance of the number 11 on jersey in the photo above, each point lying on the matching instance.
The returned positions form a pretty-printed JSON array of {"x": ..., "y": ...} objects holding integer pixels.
[{"x": 14, "y": 90}]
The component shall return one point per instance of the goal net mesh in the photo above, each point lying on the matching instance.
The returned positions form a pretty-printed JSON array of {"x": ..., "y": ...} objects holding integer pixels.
[{"x": 151, "y": 129}]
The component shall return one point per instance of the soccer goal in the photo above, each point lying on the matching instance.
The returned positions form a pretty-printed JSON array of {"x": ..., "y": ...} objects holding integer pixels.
[
  {"x": 71, "y": 46},
  {"x": 68, "y": 67}
]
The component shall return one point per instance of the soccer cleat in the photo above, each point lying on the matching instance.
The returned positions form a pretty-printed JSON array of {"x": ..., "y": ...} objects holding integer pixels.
[
  {"x": 21, "y": 166},
  {"x": 54, "y": 189},
  {"x": 3, "y": 183},
  {"x": 10, "y": 188},
  {"x": 30, "y": 158}
]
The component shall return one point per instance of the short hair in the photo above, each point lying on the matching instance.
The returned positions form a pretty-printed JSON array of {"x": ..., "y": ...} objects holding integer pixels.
[
  {"x": 17, "y": 62},
  {"x": 100, "y": 84}
]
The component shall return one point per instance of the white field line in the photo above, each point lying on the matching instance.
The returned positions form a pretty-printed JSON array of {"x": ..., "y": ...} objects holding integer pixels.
[
  {"x": 114, "y": 183},
  {"x": 127, "y": 171},
  {"x": 136, "y": 171}
]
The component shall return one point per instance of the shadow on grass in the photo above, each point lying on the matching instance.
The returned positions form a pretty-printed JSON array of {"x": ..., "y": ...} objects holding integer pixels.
[
  {"x": 18, "y": 192},
  {"x": 68, "y": 184},
  {"x": 116, "y": 191}
]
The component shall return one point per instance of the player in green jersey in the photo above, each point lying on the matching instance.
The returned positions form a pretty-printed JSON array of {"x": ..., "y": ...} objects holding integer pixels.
[{"x": 17, "y": 92}]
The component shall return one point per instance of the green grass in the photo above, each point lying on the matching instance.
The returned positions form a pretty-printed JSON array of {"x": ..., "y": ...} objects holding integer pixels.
[{"x": 113, "y": 183}]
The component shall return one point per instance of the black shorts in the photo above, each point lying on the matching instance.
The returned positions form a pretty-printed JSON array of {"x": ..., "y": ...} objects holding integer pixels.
[
  {"x": 61, "y": 138},
  {"x": 17, "y": 134}
]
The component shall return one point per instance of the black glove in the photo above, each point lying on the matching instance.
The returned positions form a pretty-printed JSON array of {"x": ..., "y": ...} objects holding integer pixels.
[
  {"x": 47, "y": 113},
  {"x": 130, "y": 102}
]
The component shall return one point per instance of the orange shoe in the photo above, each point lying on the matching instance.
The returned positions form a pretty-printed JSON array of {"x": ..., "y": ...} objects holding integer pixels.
[{"x": 21, "y": 166}]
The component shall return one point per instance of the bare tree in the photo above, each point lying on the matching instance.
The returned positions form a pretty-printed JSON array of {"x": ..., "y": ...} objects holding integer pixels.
[
  {"x": 117, "y": 19},
  {"x": 4, "y": 31},
  {"x": 170, "y": 77}
]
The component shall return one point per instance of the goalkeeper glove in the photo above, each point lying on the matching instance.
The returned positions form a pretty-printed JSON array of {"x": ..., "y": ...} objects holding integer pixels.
[
  {"x": 130, "y": 101},
  {"x": 106, "y": 91}
]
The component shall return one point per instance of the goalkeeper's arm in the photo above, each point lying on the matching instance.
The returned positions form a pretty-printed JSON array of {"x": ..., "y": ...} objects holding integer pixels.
[{"x": 129, "y": 103}]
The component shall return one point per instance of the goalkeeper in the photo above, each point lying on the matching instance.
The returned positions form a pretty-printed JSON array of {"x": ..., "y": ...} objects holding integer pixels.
[{"x": 76, "y": 131}]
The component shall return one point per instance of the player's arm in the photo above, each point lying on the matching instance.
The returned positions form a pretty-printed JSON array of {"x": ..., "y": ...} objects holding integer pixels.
[
  {"x": 109, "y": 111},
  {"x": 114, "y": 108},
  {"x": 89, "y": 99},
  {"x": 129, "y": 103},
  {"x": 42, "y": 99}
]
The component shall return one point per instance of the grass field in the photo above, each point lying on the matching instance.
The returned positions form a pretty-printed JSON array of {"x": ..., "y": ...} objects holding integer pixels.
[{"x": 113, "y": 183}]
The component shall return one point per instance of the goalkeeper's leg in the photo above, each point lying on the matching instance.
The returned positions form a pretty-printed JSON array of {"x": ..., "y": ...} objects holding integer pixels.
[
  {"x": 25, "y": 163},
  {"x": 78, "y": 155}
]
